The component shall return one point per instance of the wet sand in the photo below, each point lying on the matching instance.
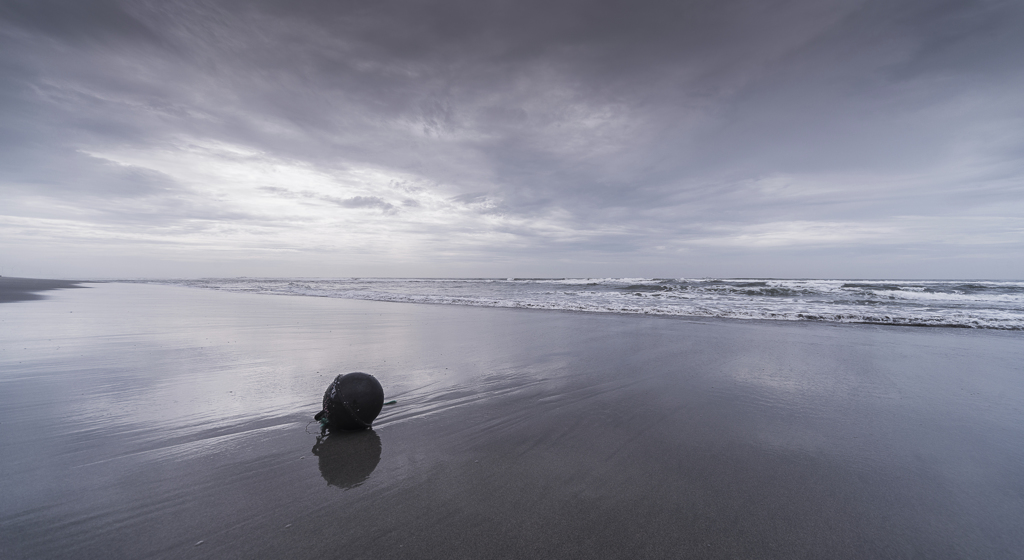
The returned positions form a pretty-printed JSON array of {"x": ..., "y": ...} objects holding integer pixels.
[{"x": 145, "y": 421}]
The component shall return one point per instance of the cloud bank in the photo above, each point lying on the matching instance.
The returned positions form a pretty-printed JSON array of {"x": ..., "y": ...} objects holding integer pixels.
[{"x": 606, "y": 138}]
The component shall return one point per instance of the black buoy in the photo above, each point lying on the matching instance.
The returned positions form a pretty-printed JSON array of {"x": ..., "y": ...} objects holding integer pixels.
[{"x": 352, "y": 401}]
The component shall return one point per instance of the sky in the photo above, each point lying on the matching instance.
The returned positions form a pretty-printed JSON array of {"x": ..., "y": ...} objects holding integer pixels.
[{"x": 760, "y": 138}]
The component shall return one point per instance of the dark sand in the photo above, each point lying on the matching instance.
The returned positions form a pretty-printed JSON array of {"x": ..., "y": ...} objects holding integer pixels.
[
  {"x": 26, "y": 289},
  {"x": 138, "y": 421}
]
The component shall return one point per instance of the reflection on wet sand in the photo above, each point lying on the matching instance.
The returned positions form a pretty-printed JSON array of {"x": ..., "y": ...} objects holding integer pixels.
[
  {"x": 520, "y": 433},
  {"x": 347, "y": 458}
]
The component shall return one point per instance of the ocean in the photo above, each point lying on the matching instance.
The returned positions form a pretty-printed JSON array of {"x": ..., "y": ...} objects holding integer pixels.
[{"x": 928, "y": 303}]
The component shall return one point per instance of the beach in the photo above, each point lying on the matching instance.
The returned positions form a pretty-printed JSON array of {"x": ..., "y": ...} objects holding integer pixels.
[{"x": 148, "y": 421}]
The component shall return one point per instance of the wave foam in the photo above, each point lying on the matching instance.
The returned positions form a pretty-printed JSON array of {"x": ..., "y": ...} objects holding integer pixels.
[{"x": 972, "y": 304}]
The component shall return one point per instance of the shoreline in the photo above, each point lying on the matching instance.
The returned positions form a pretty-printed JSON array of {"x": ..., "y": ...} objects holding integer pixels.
[
  {"x": 24, "y": 289},
  {"x": 986, "y": 311},
  {"x": 157, "y": 417}
]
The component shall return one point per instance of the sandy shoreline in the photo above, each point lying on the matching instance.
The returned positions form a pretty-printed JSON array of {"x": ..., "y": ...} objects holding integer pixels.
[{"x": 139, "y": 420}]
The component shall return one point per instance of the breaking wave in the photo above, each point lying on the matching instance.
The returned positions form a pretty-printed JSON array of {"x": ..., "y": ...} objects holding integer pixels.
[{"x": 938, "y": 303}]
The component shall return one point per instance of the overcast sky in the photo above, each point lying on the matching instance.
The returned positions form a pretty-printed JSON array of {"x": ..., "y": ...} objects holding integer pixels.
[{"x": 806, "y": 138}]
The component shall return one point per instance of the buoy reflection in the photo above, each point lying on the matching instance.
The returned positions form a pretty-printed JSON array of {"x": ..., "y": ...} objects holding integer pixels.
[{"x": 347, "y": 458}]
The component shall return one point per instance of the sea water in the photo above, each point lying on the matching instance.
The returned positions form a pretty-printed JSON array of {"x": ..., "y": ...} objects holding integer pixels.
[{"x": 937, "y": 303}]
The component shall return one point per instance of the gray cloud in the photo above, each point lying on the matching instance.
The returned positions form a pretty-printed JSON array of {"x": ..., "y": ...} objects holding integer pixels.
[
  {"x": 365, "y": 202},
  {"x": 351, "y": 202},
  {"x": 529, "y": 130}
]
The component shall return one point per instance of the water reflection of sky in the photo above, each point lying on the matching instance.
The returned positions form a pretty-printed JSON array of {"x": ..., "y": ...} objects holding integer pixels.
[
  {"x": 182, "y": 413},
  {"x": 145, "y": 375}
]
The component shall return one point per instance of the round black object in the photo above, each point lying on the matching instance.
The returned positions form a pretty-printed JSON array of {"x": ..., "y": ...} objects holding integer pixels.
[{"x": 353, "y": 401}]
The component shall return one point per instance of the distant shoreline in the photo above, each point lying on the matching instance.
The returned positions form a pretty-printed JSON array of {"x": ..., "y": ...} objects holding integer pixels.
[{"x": 27, "y": 289}]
